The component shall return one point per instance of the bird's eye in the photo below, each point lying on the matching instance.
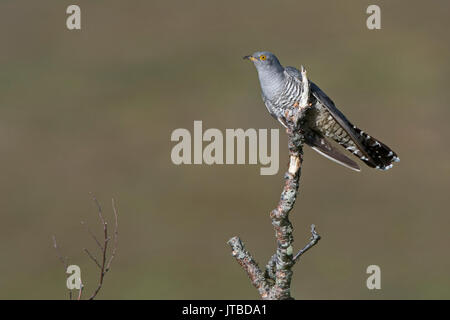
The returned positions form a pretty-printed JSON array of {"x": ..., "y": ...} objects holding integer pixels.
[{"x": 262, "y": 57}]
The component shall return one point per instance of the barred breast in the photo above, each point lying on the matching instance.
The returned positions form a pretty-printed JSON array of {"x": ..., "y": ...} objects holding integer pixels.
[{"x": 290, "y": 95}]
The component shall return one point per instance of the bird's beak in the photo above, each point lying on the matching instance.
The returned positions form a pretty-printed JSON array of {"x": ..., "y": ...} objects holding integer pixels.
[{"x": 251, "y": 58}]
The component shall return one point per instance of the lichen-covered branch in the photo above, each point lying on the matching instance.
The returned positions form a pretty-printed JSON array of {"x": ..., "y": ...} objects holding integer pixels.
[
  {"x": 275, "y": 282},
  {"x": 246, "y": 261}
]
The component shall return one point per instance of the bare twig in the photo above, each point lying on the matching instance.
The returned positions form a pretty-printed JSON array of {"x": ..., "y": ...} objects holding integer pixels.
[
  {"x": 275, "y": 283},
  {"x": 312, "y": 242},
  {"x": 93, "y": 236},
  {"x": 64, "y": 261},
  {"x": 92, "y": 257},
  {"x": 80, "y": 292},
  {"x": 104, "y": 265},
  {"x": 116, "y": 233}
]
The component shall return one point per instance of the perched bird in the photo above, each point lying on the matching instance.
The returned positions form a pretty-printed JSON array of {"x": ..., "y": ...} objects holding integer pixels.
[{"x": 281, "y": 91}]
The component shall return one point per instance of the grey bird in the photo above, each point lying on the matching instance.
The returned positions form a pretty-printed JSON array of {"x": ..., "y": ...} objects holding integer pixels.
[{"x": 281, "y": 91}]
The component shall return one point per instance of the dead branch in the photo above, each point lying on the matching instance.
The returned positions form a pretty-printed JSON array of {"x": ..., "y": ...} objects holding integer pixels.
[
  {"x": 312, "y": 242},
  {"x": 116, "y": 220},
  {"x": 104, "y": 264},
  {"x": 275, "y": 282},
  {"x": 246, "y": 261}
]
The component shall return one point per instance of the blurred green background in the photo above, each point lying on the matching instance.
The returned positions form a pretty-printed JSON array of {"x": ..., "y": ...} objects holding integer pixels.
[{"x": 93, "y": 111}]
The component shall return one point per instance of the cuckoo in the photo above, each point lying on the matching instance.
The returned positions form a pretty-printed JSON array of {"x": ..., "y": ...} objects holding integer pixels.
[{"x": 320, "y": 121}]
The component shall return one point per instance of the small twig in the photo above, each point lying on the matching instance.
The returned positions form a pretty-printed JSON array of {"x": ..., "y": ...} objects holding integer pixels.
[
  {"x": 92, "y": 257},
  {"x": 93, "y": 236},
  {"x": 58, "y": 253},
  {"x": 105, "y": 248},
  {"x": 116, "y": 233},
  {"x": 105, "y": 264},
  {"x": 63, "y": 260},
  {"x": 80, "y": 292},
  {"x": 100, "y": 212},
  {"x": 312, "y": 242}
]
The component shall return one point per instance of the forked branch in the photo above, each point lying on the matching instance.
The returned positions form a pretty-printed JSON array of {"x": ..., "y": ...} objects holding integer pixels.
[
  {"x": 104, "y": 264},
  {"x": 275, "y": 282}
]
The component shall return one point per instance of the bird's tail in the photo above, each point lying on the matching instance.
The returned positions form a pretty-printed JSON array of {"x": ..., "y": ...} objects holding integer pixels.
[
  {"x": 322, "y": 146},
  {"x": 375, "y": 153}
]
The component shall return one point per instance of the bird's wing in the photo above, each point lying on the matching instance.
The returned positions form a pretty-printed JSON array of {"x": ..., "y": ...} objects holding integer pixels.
[
  {"x": 339, "y": 117},
  {"x": 370, "y": 150},
  {"x": 322, "y": 146},
  {"x": 293, "y": 72}
]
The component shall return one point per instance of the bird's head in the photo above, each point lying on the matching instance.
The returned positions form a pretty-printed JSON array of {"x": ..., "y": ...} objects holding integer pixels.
[{"x": 264, "y": 60}]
